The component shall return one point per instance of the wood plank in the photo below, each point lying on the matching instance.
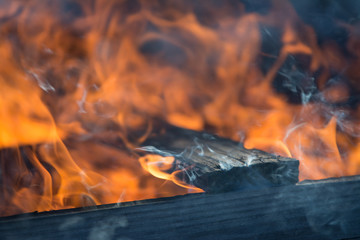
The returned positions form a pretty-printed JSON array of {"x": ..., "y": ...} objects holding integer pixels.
[
  {"x": 216, "y": 164},
  {"x": 326, "y": 210}
]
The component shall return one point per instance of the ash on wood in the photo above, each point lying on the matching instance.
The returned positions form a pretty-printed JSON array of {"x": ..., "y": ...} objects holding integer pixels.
[
  {"x": 316, "y": 210},
  {"x": 216, "y": 164}
]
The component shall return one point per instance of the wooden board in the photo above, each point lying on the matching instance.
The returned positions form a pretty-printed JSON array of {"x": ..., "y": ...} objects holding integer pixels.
[
  {"x": 324, "y": 210},
  {"x": 216, "y": 164}
]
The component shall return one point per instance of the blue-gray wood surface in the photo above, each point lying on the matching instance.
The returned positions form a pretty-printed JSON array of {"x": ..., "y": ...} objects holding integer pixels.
[{"x": 325, "y": 210}]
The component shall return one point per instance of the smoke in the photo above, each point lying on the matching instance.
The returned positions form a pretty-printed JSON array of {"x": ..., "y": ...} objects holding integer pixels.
[{"x": 108, "y": 228}]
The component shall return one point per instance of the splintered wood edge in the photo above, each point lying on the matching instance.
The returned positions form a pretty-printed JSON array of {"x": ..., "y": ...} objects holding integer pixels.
[
  {"x": 217, "y": 164},
  {"x": 210, "y": 152}
]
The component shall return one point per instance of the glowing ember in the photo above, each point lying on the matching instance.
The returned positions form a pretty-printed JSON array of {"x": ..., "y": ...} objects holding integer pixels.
[{"x": 83, "y": 83}]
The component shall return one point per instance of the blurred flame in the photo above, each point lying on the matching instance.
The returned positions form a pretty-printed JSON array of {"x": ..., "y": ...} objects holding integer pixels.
[
  {"x": 317, "y": 148},
  {"x": 158, "y": 166},
  {"x": 84, "y": 83}
]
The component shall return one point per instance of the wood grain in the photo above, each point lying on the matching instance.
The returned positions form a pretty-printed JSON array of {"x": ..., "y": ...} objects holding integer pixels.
[
  {"x": 324, "y": 210},
  {"x": 216, "y": 164}
]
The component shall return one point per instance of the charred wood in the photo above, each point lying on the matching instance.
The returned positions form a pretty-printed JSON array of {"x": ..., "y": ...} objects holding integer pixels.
[{"x": 216, "y": 164}]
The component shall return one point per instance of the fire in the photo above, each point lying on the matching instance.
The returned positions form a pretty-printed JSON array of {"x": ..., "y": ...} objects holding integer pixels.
[
  {"x": 158, "y": 166},
  {"x": 84, "y": 83}
]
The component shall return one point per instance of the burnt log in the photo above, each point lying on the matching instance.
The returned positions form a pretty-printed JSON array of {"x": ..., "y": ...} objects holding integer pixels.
[
  {"x": 326, "y": 209},
  {"x": 216, "y": 164}
]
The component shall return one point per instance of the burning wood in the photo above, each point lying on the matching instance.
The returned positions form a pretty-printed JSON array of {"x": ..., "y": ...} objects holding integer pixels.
[
  {"x": 216, "y": 164},
  {"x": 288, "y": 82}
]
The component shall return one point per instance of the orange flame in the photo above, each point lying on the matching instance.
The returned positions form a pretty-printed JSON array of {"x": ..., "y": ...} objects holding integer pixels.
[
  {"x": 158, "y": 166},
  {"x": 84, "y": 83}
]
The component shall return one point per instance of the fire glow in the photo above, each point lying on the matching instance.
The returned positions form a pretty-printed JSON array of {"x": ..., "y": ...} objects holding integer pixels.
[{"x": 83, "y": 83}]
